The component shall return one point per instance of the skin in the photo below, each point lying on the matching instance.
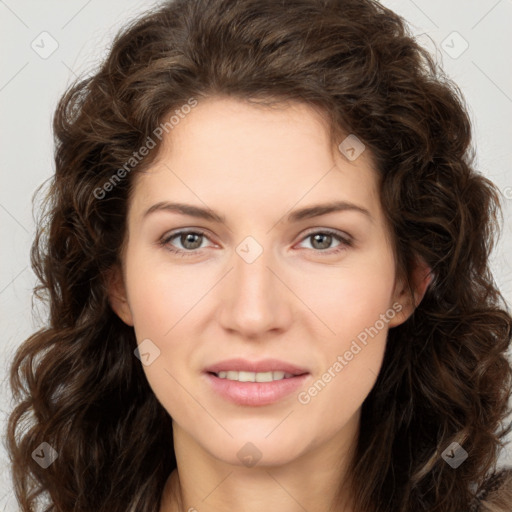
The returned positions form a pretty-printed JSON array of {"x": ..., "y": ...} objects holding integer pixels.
[{"x": 255, "y": 165}]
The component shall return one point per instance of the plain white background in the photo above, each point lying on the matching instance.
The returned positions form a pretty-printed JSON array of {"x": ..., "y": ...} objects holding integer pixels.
[{"x": 44, "y": 45}]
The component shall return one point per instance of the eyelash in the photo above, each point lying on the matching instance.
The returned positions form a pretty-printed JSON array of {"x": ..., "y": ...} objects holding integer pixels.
[{"x": 345, "y": 242}]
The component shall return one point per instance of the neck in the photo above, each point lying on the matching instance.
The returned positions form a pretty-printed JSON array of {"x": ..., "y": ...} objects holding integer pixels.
[{"x": 203, "y": 483}]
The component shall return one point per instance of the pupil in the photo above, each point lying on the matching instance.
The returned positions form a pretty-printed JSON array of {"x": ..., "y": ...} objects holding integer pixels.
[
  {"x": 189, "y": 238},
  {"x": 327, "y": 238}
]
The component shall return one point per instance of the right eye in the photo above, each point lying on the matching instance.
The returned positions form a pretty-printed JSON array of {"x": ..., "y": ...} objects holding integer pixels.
[{"x": 189, "y": 239}]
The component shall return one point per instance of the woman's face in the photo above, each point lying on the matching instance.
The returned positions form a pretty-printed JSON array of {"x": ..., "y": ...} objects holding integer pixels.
[{"x": 314, "y": 292}]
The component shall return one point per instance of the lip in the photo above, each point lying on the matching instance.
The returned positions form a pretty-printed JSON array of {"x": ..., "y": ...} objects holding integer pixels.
[
  {"x": 255, "y": 393},
  {"x": 265, "y": 365}
]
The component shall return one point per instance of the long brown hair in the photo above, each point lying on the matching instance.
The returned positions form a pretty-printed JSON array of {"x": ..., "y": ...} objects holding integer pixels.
[{"x": 445, "y": 377}]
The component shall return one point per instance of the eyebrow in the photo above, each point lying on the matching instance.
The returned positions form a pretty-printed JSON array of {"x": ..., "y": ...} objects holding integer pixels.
[{"x": 295, "y": 216}]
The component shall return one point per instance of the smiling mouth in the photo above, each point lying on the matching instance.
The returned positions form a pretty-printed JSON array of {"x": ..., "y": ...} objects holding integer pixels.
[
  {"x": 247, "y": 388},
  {"x": 242, "y": 376}
]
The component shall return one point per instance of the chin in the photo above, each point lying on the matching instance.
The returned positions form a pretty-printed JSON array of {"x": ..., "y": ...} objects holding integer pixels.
[{"x": 249, "y": 451}]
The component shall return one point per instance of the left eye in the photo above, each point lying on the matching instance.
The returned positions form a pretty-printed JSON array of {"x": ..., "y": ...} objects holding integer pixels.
[
  {"x": 321, "y": 240},
  {"x": 191, "y": 241}
]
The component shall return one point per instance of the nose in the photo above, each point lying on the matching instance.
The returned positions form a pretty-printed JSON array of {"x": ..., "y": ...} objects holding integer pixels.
[{"x": 255, "y": 299}]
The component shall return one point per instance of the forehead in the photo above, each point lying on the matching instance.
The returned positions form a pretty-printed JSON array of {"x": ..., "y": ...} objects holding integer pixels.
[{"x": 255, "y": 157}]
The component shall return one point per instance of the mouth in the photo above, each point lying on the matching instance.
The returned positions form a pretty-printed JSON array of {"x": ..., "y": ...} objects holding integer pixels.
[
  {"x": 251, "y": 383},
  {"x": 245, "y": 370},
  {"x": 253, "y": 376}
]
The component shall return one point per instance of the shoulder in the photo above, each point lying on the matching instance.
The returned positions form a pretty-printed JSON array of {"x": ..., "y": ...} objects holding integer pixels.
[{"x": 496, "y": 493}]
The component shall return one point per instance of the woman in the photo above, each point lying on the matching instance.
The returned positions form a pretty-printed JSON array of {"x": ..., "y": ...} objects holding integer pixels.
[{"x": 206, "y": 348}]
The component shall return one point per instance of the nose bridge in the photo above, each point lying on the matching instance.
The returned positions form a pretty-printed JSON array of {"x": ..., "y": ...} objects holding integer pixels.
[
  {"x": 252, "y": 274},
  {"x": 255, "y": 300}
]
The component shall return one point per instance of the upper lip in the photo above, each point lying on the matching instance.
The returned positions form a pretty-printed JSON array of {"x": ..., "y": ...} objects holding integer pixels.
[{"x": 265, "y": 365}]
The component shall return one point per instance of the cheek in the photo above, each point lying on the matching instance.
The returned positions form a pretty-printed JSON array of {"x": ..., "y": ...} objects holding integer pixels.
[
  {"x": 350, "y": 360},
  {"x": 357, "y": 307},
  {"x": 165, "y": 301},
  {"x": 351, "y": 298},
  {"x": 162, "y": 295}
]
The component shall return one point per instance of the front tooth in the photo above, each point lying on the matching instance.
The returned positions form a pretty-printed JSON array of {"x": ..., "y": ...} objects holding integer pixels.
[
  {"x": 246, "y": 376},
  {"x": 264, "y": 377},
  {"x": 254, "y": 376}
]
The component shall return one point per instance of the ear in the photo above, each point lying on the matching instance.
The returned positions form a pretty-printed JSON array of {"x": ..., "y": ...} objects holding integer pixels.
[
  {"x": 420, "y": 280},
  {"x": 117, "y": 295}
]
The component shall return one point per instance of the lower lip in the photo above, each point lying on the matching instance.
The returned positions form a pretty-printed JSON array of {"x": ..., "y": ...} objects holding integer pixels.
[{"x": 255, "y": 393}]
